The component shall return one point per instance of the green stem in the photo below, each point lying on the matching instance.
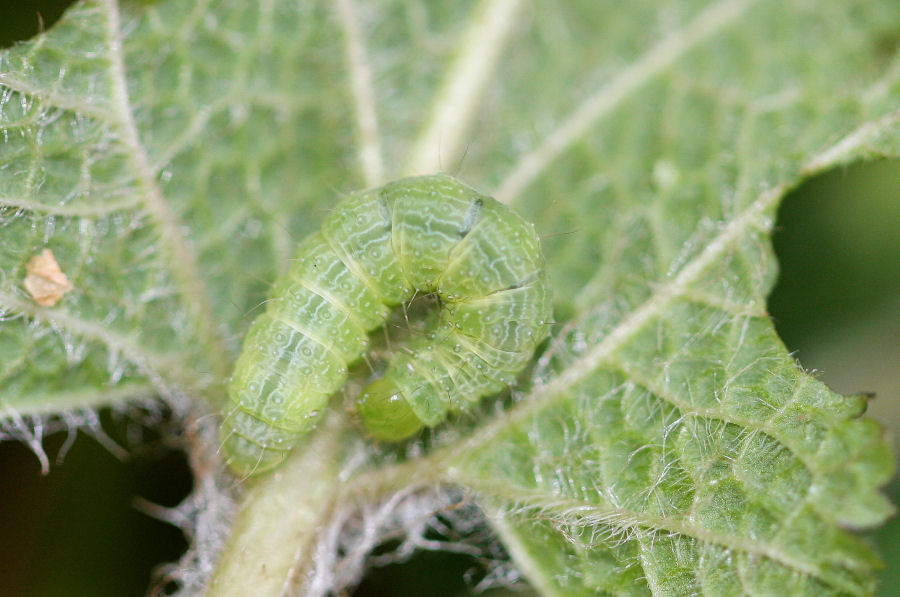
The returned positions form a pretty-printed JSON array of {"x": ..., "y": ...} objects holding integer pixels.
[{"x": 273, "y": 536}]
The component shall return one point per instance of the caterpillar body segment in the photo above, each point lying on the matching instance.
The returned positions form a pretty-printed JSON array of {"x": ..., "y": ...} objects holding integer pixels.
[
  {"x": 295, "y": 356},
  {"x": 376, "y": 250}
]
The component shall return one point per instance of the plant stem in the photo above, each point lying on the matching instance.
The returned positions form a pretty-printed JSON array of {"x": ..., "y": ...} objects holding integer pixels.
[{"x": 273, "y": 536}]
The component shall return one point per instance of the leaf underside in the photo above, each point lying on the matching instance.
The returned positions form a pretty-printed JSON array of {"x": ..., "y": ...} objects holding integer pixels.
[{"x": 171, "y": 155}]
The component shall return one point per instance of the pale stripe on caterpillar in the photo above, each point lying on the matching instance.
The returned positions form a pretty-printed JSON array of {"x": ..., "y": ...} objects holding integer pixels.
[{"x": 377, "y": 249}]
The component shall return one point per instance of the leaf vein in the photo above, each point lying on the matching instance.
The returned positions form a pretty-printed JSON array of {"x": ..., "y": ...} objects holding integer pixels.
[
  {"x": 711, "y": 21},
  {"x": 183, "y": 257},
  {"x": 566, "y": 511},
  {"x": 164, "y": 371},
  {"x": 441, "y": 141},
  {"x": 370, "y": 151}
]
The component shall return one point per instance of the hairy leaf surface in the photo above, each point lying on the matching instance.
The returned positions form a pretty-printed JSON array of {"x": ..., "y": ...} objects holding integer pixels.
[{"x": 171, "y": 154}]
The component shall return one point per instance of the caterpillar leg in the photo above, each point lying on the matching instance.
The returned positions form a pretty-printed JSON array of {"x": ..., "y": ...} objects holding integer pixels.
[{"x": 386, "y": 413}]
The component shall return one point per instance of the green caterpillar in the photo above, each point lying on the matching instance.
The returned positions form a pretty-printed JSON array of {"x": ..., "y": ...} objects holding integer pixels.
[{"x": 377, "y": 249}]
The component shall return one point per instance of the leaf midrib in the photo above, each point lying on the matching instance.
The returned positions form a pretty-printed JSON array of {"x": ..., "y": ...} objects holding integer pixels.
[
  {"x": 442, "y": 464},
  {"x": 757, "y": 215}
]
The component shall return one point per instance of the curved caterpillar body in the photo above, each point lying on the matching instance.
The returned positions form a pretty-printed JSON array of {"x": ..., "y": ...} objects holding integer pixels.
[{"x": 377, "y": 249}]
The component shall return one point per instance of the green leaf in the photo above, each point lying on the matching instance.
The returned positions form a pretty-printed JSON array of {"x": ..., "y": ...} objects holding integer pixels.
[{"x": 171, "y": 155}]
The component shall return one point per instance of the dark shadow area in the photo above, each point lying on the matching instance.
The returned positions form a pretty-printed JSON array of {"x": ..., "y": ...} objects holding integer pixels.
[
  {"x": 20, "y": 20},
  {"x": 80, "y": 530},
  {"x": 838, "y": 247},
  {"x": 837, "y": 301},
  {"x": 436, "y": 574},
  {"x": 426, "y": 573}
]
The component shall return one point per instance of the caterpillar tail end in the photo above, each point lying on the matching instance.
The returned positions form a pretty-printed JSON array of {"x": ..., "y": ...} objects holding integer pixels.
[
  {"x": 386, "y": 413},
  {"x": 245, "y": 458}
]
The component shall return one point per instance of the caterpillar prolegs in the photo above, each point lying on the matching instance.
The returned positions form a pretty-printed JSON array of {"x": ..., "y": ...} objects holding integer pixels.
[{"x": 377, "y": 249}]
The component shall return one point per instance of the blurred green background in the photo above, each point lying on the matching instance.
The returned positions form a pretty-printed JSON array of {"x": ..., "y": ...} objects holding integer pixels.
[
  {"x": 81, "y": 529},
  {"x": 837, "y": 301}
]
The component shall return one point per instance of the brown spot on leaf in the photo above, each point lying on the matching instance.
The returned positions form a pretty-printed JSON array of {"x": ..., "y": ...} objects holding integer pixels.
[{"x": 45, "y": 281}]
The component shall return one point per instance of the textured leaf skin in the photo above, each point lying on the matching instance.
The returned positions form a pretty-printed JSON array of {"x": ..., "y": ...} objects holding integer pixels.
[
  {"x": 657, "y": 216},
  {"x": 210, "y": 115},
  {"x": 681, "y": 446},
  {"x": 379, "y": 248}
]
